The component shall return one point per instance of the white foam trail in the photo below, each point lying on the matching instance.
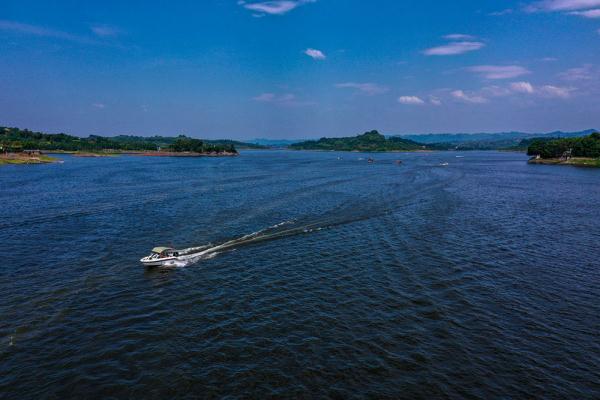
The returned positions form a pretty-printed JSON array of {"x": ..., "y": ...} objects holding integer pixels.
[{"x": 192, "y": 255}]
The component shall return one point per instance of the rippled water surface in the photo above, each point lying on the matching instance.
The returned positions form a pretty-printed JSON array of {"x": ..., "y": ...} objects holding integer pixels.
[{"x": 479, "y": 279}]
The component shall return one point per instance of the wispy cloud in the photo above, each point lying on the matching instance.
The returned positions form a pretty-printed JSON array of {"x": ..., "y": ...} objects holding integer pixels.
[
  {"x": 562, "y": 5},
  {"x": 499, "y": 71},
  {"x": 100, "y": 31},
  {"x": 35, "y": 30},
  {"x": 584, "y": 73},
  {"x": 435, "y": 100},
  {"x": 315, "y": 54},
  {"x": 99, "y": 105},
  {"x": 468, "y": 97},
  {"x": 460, "y": 44},
  {"x": 410, "y": 100},
  {"x": 556, "y": 91},
  {"x": 105, "y": 30},
  {"x": 458, "y": 36},
  {"x": 494, "y": 91},
  {"x": 266, "y": 97},
  {"x": 506, "y": 11},
  {"x": 369, "y": 89},
  {"x": 285, "y": 99},
  {"x": 274, "y": 7},
  {"x": 549, "y": 91},
  {"x": 595, "y": 13}
]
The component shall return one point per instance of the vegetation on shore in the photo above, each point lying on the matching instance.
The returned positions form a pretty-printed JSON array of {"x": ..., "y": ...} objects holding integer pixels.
[
  {"x": 16, "y": 140},
  {"x": 22, "y": 158},
  {"x": 367, "y": 142},
  {"x": 185, "y": 144},
  {"x": 588, "y": 146},
  {"x": 575, "y": 161},
  {"x": 584, "y": 151}
]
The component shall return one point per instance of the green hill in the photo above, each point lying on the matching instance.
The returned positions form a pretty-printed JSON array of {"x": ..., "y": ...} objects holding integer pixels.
[
  {"x": 368, "y": 141},
  {"x": 588, "y": 146}
]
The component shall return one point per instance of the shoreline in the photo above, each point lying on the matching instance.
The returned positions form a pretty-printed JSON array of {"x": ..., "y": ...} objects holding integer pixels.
[
  {"x": 366, "y": 151},
  {"x": 146, "y": 153},
  {"x": 22, "y": 159},
  {"x": 185, "y": 154},
  {"x": 574, "y": 162}
]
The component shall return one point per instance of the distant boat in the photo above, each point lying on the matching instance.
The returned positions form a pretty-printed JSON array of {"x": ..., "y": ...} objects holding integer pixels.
[
  {"x": 398, "y": 162},
  {"x": 444, "y": 164},
  {"x": 370, "y": 160}
]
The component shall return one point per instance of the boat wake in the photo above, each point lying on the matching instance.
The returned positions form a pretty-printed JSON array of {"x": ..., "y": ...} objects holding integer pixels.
[
  {"x": 363, "y": 208},
  {"x": 282, "y": 230}
]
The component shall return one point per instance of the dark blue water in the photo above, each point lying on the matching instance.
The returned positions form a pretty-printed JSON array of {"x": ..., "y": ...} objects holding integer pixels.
[{"x": 480, "y": 279}]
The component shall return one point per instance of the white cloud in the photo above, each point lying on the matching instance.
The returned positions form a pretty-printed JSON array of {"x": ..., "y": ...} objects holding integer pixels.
[
  {"x": 274, "y": 7},
  {"x": 562, "y": 5},
  {"x": 468, "y": 98},
  {"x": 284, "y": 99},
  {"x": 453, "y": 48},
  {"x": 595, "y": 13},
  {"x": 35, "y": 30},
  {"x": 105, "y": 30},
  {"x": 99, "y": 105},
  {"x": 495, "y": 91},
  {"x": 266, "y": 97},
  {"x": 435, "y": 101},
  {"x": 549, "y": 91},
  {"x": 583, "y": 73},
  {"x": 315, "y": 54},
  {"x": 506, "y": 11},
  {"x": 522, "y": 87},
  {"x": 556, "y": 91},
  {"x": 410, "y": 100},
  {"x": 366, "y": 88},
  {"x": 499, "y": 71},
  {"x": 458, "y": 36}
]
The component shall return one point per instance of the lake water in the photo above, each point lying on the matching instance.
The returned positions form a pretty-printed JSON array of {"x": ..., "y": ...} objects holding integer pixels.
[{"x": 479, "y": 279}]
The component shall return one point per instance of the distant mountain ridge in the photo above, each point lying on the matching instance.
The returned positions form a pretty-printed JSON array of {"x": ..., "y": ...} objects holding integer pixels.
[
  {"x": 431, "y": 138},
  {"x": 275, "y": 142}
]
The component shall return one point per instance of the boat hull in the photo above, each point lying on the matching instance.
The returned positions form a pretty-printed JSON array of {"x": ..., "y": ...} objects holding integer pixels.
[{"x": 157, "y": 262}]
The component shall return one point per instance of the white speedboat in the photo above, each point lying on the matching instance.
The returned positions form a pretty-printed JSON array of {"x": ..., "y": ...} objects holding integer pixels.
[
  {"x": 160, "y": 256},
  {"x": 167, "y": 256}
]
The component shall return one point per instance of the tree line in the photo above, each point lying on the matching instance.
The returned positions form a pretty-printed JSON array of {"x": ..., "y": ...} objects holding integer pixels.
[
  {"x": 587, "y": 146},
  {"x": 15, "y": 140}
]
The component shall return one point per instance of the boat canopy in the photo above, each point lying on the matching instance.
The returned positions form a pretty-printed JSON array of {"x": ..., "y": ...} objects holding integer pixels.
[{"x": 160, "y": 250}]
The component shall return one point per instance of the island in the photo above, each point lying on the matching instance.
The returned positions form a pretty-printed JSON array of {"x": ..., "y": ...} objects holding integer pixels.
[
  {"x": 372, "y": 141},
  {"x": 578, "y": 151},
  {"x": 22, "y": 146}
]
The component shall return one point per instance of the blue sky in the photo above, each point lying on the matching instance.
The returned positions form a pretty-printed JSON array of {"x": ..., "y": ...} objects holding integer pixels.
[{"x": 299, "y": 68}]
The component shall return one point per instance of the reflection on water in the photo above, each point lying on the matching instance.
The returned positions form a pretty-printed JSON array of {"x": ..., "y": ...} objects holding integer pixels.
[{"x": 474, "y": 279}]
